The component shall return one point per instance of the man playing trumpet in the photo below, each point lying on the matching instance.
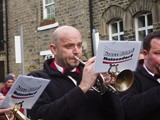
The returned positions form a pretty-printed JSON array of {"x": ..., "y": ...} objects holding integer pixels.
[{"x": 69, "y": 95}]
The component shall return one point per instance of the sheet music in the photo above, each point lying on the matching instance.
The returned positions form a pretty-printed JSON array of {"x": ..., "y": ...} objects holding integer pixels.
[
  {"x": 123, "y": 53},
  {"x": 26, "y": 89}
]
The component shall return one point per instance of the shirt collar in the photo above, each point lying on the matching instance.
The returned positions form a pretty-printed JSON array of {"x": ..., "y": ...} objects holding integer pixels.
[
  {"x": 61, "y": 69},
  {"x": 148, "y": 70}
]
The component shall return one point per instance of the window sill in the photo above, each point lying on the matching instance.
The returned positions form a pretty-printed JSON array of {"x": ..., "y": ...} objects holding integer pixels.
[{"x": 47, "y": 26}]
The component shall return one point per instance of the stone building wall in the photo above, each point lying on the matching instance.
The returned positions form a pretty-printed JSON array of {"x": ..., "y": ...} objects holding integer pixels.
[
  {"x": 106, "y": 11},
  {"x": 28, "y": 13},
  {"x": 23, "y": 14},
  {"x": 75, "y": 13}
]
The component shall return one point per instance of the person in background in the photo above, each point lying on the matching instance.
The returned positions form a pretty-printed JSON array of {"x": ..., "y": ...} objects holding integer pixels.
[
  {"x": 14, "y": 76},
  {"x": 69, "y": 95},
  {"x": 142, "y": 100},
  {"x": 6, "y": 113},
  {"x": 9, "y": 80}
]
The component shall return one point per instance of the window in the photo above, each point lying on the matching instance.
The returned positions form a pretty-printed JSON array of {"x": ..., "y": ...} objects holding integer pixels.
[
  {"x": 143, "y": 26},
  {"x": 49, "y": 20},
  {"x": 49, "y": 9},
  {"x": 116, "y": 31}
]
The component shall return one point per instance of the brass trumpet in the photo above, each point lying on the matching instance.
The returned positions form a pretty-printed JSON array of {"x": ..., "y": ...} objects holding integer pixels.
[
  {"x": 123, "y": 81},
  {"x": 17, "y": 113}
]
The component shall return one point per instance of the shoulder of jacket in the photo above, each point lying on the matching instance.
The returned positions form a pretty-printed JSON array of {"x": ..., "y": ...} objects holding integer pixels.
[{"x": 39, "y": 73}]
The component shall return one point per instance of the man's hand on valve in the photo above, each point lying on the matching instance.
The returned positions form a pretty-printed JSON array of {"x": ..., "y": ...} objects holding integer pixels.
[{"x": 109, "y": 79}]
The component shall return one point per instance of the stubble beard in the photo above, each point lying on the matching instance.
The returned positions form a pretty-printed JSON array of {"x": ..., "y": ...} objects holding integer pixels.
[{"x": 158, "y": 68}]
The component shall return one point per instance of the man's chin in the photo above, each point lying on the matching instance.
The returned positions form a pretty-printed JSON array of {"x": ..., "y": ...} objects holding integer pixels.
[{"x": 74, "y": 66}]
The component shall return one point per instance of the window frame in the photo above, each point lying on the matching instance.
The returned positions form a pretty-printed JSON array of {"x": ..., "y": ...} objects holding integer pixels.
[
  {"x": 118, "y": 34},
  {"x": 45, "y": 9},
  {"x": 145, "y": 28},
  {"x": 50, "y": 25}
]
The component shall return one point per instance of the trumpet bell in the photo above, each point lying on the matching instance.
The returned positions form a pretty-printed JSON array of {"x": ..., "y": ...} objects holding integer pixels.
[{"x": 124, "y": 80}]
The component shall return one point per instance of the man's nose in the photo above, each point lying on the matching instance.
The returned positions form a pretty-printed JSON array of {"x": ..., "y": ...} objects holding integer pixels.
[{"x": 76, "y": 49}]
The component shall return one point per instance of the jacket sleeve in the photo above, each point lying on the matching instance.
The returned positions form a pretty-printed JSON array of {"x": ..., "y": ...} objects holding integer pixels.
[
  {"x": 113, "y": 106},
  {"x": 137, "y": 104},
  {"x": 57, "y": 109}
]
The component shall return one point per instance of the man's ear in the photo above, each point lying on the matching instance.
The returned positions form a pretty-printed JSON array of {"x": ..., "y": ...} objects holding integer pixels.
[
  {"x": 144, "y": 52},
  {"x": 53, "y": 49}
]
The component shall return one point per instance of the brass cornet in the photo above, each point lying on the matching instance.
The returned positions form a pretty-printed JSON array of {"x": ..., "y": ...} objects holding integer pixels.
[
  {"x": 17, "y": 113},
  {"x": 123, "y": 81}
]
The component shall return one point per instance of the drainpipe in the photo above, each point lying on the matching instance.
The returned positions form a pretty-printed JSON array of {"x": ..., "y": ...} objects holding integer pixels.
[
  {"x": 7, "y": 38},
  {"x": 91, "y": 25}
]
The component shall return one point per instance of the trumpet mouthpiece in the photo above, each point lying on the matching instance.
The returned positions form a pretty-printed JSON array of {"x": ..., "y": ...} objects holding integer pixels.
[{"x": 80, "y": 60}]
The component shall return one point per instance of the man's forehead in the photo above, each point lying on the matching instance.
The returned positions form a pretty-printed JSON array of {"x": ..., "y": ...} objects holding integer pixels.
[{"x": 155, "y": 45}]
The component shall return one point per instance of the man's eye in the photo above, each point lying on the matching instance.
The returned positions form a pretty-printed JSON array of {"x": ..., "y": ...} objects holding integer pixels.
[
  {"x": 68, "y": 46},
  {"x": 80, "y": 45},
  {"x": 157, "y": 53}
]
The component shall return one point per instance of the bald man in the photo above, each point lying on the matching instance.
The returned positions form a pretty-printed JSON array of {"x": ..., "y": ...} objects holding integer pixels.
[{"x": 69, "y": 95}]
